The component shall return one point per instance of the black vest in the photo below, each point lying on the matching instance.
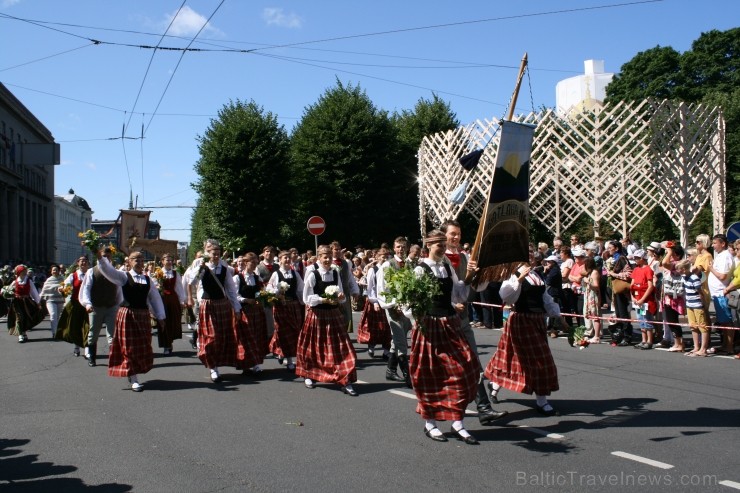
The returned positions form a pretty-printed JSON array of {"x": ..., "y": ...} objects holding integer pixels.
[
  {"x": 247, "y": 291},
  {"x": 290, "y": 294},
  {"x": 530, "y": 299},
  {"x": 443, "y": 301},
  {"x": 102, "y": 292},
  {"x": 211, "y": 289},
  {"x": 135, "y": 294},
  {"x": 321, "y": 286}
]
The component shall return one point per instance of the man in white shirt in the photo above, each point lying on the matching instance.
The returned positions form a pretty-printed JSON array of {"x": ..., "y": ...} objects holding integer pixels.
[{"x": 720, "y": 275}]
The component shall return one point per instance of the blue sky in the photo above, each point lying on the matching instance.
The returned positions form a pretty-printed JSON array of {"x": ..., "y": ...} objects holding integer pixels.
[{"x": 400, "y": 51}]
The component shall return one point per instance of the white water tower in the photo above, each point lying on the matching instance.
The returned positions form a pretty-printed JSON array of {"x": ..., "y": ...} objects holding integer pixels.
[{"x": 583, "y": 92}]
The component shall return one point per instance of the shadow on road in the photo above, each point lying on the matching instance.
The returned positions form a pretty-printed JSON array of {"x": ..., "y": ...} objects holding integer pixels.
[{"x": 24, "y": 474}]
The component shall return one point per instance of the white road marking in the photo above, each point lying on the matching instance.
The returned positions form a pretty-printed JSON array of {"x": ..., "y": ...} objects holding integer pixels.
[
  {"x": 731, "y": 484},
  {"x": 644, "y": 460},
  {"x": 402, "y": 393},
  {"x": 542, "y": 432},
  {"x": 360, "y": 381}
]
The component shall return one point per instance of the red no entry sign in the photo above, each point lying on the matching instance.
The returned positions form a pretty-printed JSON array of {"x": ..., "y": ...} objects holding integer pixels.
[{"x": 316, "y": 225}]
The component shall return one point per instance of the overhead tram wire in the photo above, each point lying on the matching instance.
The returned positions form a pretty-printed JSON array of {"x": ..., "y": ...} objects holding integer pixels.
[
  {"x": 223, "y": 48},
  {"x": 383, "y": 79},
  {"x": 172, "y": 75},
  {"x": 47, "y": 57},
  {"x": 460, "y": 23},
  {"x": 151, "y": 59}
]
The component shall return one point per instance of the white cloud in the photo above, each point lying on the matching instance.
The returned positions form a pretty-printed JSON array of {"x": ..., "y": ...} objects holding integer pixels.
[
  {"x": 187, "y": 23},
  {"x": 8, "y": 3},
  {"x": 274, "y": 16},
  {"x": 91, "y": 166}
]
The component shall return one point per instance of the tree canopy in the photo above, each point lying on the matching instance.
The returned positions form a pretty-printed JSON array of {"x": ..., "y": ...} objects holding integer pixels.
[{"x": 244, "y": 193}]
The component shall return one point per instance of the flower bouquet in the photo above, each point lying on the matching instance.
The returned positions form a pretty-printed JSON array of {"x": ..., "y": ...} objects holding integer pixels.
[
  {"x": 159, "y": 277},
  {"x": 417, "y": 292},
  {"x": 267, "y": 296},
  {"x": 284, "y": 287},
  {"x": 66, "y": 290},
  {"x": 8, "y": 292},
  {"x": 91, "y": 240},
  {"x": 577, "y": 338},
  {"x": 331, "y": 294}
]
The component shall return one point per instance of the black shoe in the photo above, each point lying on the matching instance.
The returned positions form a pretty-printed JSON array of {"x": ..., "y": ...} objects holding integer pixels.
[
  {"x": 290, "y": 367},
  {"x": 492, "y": 397},
  {"x": 91, "y": 361},
  {"x": 551, "y": 412},
  {"x": 624, "y": 343},
  {"x": 76, "y": 352},
  {"x": 440, "y": 438},
  {"x": 393, "y": 377},
  {"x": 280, "y": 360},
  {"x": 488, "y": 416},
  {"x": 350, "y": 391},
  {"x": 386, "y": 356},
  {"x": 193, "y": 344},
  {"x": 470, "y": 439}
]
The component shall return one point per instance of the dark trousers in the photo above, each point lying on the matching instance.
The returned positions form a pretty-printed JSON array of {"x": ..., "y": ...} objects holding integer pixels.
[{"x": 492, "y": 316}]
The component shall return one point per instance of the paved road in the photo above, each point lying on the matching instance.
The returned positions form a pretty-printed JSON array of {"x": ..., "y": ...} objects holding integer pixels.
[{"x": 630, "y": 418}]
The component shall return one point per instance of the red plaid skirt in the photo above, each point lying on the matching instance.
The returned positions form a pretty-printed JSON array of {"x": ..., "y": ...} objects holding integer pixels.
[
  {"x": 325, "y": 352},
  {"x": 131, "y": 350},
  {"x": 373, "y": 327},
  {"x": 173, "y": 321},
  {"x": 251, "y": 336},
  {"x": 216, "y": 333},
  {"x": 444, "y": 370},
  {"x": 523, "y": 361},
  {"x": 288, "y": 322}
]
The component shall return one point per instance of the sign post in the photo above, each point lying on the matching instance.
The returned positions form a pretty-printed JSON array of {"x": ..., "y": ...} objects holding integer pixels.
[
  {"x": 316, "y": 226},
  {"x": 733, "y": 232}
]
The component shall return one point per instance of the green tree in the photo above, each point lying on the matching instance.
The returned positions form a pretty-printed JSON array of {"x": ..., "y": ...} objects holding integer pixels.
[
  {"x": 244, "y": 193},
  {"x": 429, "y": 116},
  {"x": 342, "y": 152}
]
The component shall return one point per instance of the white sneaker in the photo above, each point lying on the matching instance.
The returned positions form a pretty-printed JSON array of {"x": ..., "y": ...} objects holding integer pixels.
[
  {"x": 215, "y": 377},
  {"x": 87, "y": 353},
  {"x": 137, "y": 387}
]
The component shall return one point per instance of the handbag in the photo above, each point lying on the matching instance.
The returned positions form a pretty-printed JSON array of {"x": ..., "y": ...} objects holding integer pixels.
[
  {"x": 619, "y": 286},
  {"x": 733, "y": 299}
]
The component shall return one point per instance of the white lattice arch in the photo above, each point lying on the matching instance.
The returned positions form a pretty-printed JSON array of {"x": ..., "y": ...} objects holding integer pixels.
[{"x": 615, "y": 163}]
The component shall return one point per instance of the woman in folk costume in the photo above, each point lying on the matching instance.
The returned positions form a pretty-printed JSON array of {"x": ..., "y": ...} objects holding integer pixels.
[
  {"x": 251, "y": 325},
  {"x": 173, "y": 297},
  {"x": 25, "y": 312},
  {"x": 74, "y": 323},
  {"x": 130, "y": 352},
  {"x": 325, "y": 352},
  {"x": 53, "y": 298},
  {"x": 444, "y": 370},
  {"x": 218, "y": 308},
  {"x": 523, "y": 361},
  {"x": 288, "y": 311},
  {"x": 373, "y": 328}
]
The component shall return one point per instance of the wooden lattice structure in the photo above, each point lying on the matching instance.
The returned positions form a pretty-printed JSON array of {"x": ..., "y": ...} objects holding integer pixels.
[{"x": 615, "y": 163}]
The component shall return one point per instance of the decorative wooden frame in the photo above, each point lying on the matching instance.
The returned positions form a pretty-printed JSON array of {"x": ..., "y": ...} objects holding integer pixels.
[{"x": 615, "y": 163}]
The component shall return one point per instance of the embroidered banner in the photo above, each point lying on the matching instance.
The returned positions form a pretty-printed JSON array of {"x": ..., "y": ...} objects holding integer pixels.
[
  {"x": 133, "y": 225},
  {"x": 505, "y": 241}
]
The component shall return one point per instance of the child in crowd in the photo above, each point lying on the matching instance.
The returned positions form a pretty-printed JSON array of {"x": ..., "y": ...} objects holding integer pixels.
[
  {"x": 695, "y": 308},
  {"x": 643, "y": 297}
]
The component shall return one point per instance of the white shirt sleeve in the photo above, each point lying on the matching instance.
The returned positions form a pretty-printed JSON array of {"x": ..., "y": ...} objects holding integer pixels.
[
  {"x": 154, "y": 300},
  {"x": 85, "y": 290}
]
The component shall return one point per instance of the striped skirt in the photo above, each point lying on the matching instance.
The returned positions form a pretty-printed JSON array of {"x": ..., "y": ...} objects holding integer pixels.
[
  {"x": 325, "y": 352},
  {"x": 288, "y": 323},
  {"x": 216, "y": 334},
  {"x": 444, "y": 370},
  {"x": 373, "y": 328},
  {"x": 131, "y": 350},
  {"x": 523, "y": 361},
  {"x": 251, "y": 336}
]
